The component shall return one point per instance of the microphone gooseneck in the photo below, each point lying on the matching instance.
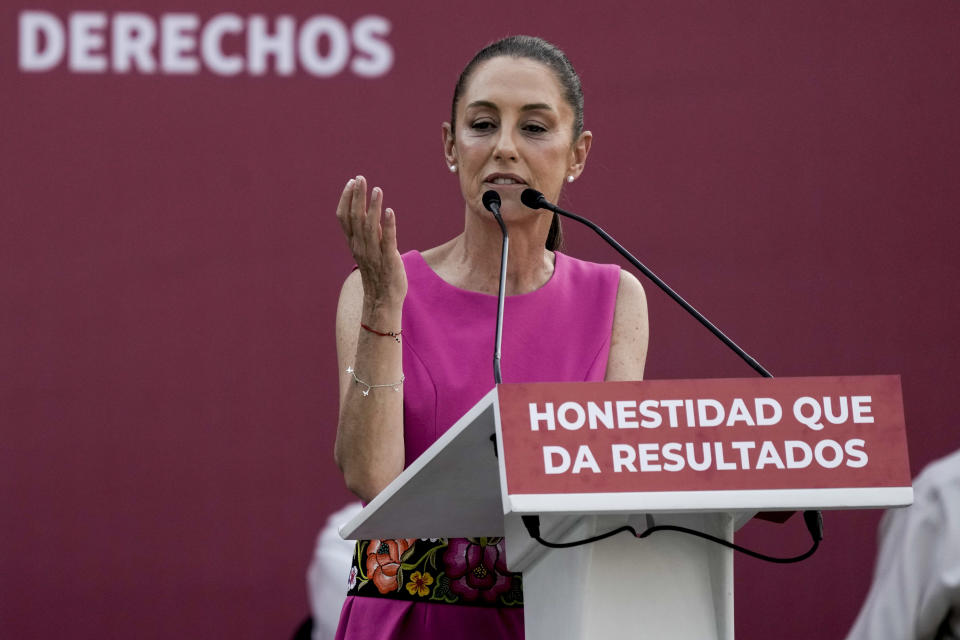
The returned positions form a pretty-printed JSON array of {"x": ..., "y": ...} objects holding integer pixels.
[
  {"x": 491, "y": 202},
  {"x": 536, "y": 200}
]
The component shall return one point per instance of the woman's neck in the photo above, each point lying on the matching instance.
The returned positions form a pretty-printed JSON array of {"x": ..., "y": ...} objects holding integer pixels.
[{"x": 471, "y": 261}]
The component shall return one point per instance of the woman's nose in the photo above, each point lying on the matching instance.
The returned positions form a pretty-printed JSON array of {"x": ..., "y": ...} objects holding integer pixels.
[{"x": 506, "y": 149}]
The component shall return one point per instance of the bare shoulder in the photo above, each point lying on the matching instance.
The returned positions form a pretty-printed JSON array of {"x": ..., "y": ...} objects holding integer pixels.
[
  {"x": 631, "y": 310},
  {"x": 630, "y": 333},
  {"x": 630, "y": 291}
]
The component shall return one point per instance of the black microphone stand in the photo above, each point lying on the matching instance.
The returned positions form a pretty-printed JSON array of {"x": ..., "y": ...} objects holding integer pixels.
[
  {"x": 491, "y": 201},
  {"x": 535, "y": 200}
]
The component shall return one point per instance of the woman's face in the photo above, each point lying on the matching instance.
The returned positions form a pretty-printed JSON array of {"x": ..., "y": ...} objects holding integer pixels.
[{"x": 514, "y": 130}]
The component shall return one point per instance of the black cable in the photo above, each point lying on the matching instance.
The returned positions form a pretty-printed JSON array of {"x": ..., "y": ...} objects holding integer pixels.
[{"x": 812, "y": 519}]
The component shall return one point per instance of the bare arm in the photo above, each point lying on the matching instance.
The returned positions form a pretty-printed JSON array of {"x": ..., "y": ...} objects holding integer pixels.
[
  {"x": 631, "y": 332},
  {"x": 369, "y": 446}
]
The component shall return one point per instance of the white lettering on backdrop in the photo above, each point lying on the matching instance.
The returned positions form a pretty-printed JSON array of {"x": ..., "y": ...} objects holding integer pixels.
[{"x": 226, "y": 44}]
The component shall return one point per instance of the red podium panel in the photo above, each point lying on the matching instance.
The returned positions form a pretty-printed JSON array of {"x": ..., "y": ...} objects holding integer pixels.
[{"x": 688, "y": 444}]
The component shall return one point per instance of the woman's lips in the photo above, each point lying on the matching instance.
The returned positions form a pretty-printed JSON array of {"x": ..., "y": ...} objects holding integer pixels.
[{"x": 504, "y": 181}]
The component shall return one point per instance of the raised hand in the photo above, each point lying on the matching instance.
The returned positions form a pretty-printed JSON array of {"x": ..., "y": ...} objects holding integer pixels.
[{"x": 372, "y": 238}]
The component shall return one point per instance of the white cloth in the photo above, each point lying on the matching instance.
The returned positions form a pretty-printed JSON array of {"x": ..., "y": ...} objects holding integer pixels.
[
  {"x": 328, "y": 573},
  {"x": 915, "y": 593}
]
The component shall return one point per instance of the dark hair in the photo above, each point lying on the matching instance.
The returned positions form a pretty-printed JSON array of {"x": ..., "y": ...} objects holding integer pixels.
[{"x": 538, "y": 50}]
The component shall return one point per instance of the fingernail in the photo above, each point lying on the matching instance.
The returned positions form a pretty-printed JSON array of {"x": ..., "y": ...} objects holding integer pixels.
[
  {"x": 377, "y": 191},
  {"x": 350, "y": 182}
]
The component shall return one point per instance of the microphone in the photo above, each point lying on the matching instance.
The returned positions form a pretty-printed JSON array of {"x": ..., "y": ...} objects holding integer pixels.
[
  {"x": 491, "y": 202},
  {"x": 533, "y": 199}
]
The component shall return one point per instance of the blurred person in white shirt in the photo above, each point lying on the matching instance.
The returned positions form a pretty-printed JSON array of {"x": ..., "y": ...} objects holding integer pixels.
[
  {"x": 915, "y": 593},
  {"x": 328, "y": 574}
]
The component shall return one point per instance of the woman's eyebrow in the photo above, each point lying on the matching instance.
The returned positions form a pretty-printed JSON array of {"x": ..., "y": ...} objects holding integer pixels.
[
  {"x": 484, "y": 104},
  {"x": 536, "y": 106}
]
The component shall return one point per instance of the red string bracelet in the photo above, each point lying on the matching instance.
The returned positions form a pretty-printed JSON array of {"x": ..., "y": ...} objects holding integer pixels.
[{"x": 389, "y": 334}]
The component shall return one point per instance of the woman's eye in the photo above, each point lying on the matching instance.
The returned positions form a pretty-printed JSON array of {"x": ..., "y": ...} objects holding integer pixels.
[
  {"x": 482, "y": 125},
  {"x": 534, "y": 128}
]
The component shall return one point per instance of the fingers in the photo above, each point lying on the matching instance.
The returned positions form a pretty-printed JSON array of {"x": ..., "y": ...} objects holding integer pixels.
[
  {"x": 388, "y": 242},
  {"x": 372, "y": 218},
  {"x": 361, "y": 219},
  {"x": 343, "y": 207},
  {"x": 351, "y": 207},
  {"x": 358, "y": 208}
]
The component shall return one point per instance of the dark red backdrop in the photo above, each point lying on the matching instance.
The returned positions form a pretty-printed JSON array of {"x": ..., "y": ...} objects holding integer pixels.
[{"x": 170, "y": 267}]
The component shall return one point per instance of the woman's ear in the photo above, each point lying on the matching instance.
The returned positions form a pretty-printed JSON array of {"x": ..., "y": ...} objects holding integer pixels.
[
  {"x": 449, "y": 149},
  {"x": 578, "y": 154}
]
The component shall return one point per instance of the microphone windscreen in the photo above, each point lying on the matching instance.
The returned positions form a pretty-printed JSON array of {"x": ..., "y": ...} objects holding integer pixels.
[
  {"x": 532, "y": 198},
  {"x": 491, "y": 199}
]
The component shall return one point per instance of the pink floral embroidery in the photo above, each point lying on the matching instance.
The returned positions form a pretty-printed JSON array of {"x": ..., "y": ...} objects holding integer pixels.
[{"x": 477, "y": 568}]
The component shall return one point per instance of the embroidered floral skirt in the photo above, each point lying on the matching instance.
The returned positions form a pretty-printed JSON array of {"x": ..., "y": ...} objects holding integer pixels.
[{"x": 466, "y": 571}]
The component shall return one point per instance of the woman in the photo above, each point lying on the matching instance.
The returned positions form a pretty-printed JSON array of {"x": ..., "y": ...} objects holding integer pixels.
[{"x": 415, "y": 332}]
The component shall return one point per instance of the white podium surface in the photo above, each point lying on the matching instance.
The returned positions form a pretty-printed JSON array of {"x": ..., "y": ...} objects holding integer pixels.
[
  {"x": 451, "y": 491},
  {"x": 665, "y": 586}
]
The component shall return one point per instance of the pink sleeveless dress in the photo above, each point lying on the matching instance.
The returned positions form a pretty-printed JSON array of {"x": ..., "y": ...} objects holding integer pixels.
[{"x": 560, "y": 332}]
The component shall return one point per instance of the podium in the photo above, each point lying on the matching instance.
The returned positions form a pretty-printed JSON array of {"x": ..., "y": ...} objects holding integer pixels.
[{"x": 679, "y": 453}]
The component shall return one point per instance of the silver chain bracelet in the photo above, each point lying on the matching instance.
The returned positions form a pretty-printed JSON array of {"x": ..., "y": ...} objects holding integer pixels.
[{"x": 393, "y": 385}]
